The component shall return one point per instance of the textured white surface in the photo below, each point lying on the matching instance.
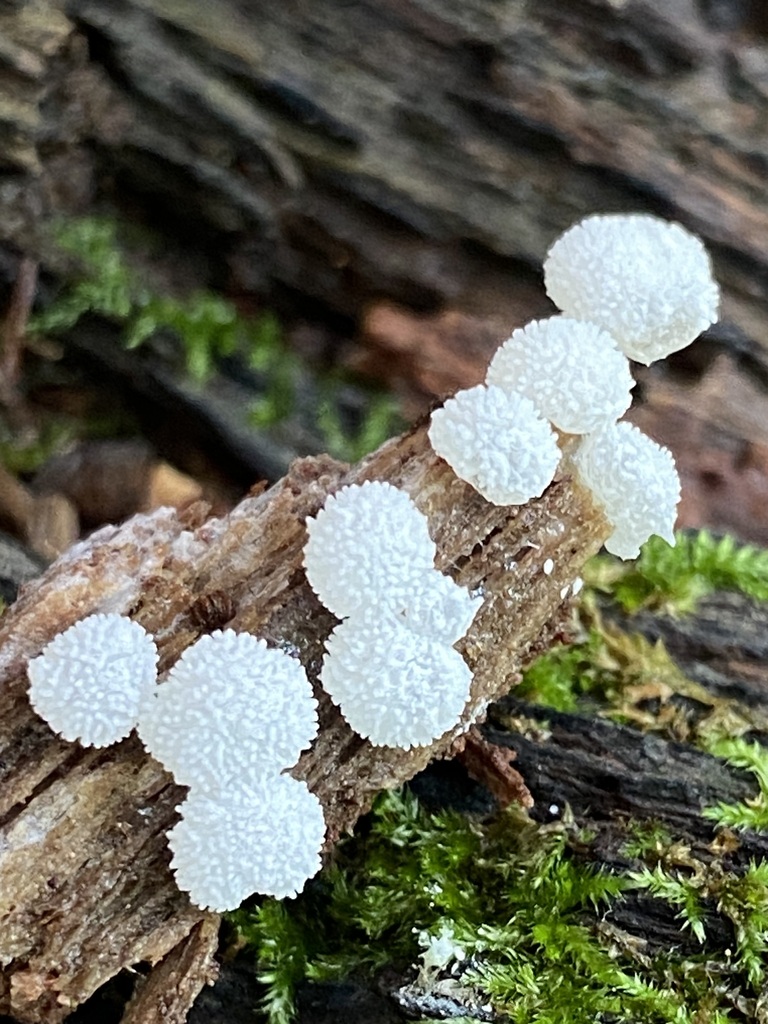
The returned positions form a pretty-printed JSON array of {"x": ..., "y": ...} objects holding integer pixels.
[
  {"x": 90, "y": 681},
  {"x": 432, "y": 605},
  {"x": 572, "y": 372},
  {"x": 497, "y": 442},
  {"x": 646, "y": 281},
  {"x": 394, "y": 687},
  {"x": 635, "y": 481},
  {"x": 367, "y": 541},
  {"x": 231, "y": 707},
  {"x": 263, "y": 838}
]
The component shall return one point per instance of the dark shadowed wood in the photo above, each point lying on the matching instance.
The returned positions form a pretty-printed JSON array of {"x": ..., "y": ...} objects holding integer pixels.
[{"x": 327, "y": 156}]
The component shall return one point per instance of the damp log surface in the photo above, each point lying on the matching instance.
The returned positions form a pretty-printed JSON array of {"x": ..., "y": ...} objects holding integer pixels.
[
  {"x": 423, "y": 149},
  {"x": 85, "y": 888},
  {"x": 419, "y": 149},
  {"x": 373, "y": 159}
]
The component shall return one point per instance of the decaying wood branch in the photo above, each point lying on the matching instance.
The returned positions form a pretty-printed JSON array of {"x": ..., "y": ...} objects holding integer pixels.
[{"x": 85, "y": 888}]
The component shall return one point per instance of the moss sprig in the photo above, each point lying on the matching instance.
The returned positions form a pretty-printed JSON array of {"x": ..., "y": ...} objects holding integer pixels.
[
  {"x": 522, "y": 910},
  {"x": 748, "y": 756},
  {"x": 675, "y": 578},
  {"x": 208, "y": 328}
]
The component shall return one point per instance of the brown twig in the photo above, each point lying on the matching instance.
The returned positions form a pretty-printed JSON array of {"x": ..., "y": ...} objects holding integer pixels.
[{"x": 14, "y": 331}]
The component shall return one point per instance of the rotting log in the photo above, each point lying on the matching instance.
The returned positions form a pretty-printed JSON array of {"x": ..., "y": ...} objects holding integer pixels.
[
  {"x": 85, "y": 888},
  {"x": 336, "y": 156}
]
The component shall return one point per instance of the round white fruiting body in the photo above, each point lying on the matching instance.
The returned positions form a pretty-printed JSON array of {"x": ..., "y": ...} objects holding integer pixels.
[
  {"x": 264, "y": 836},
  {"x": 430, "y": 605},
  {"x": 497, "y": 442},
  {"x": 231, "y": 708},
  {"x": 90, "y": 681},
  {"x": 363, "y": 544},
  {"x": 646, "y": 281},
  {"x": 635, "y": 481},
  {"x": 390, "y": 666},
  {"x": 572, "y": 372},
  {"x": 394, "y": 687}
]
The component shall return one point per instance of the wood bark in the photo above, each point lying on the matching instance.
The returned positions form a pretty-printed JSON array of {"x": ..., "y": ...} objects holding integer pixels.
[
  {"x": 333, "y": 156},
  {"x": 425, "y": 150},
  {"x": 85, "y": 888}
]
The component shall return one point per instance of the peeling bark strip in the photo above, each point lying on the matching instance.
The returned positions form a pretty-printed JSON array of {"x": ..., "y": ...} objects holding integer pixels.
[{"x": 85, "y": 889}]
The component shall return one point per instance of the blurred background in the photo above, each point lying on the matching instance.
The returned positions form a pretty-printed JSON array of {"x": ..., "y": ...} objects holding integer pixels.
[{"x": 235, "y": 233}]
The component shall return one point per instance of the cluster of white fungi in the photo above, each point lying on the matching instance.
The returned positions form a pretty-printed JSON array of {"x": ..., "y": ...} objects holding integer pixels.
[{"x": 232, "y": 715}]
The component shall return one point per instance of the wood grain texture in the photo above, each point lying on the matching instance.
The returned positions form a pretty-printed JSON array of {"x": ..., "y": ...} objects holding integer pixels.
[{"x": 85, "y": 888}]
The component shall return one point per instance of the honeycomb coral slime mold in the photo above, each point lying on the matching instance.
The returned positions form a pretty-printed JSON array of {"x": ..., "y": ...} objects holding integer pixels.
[
  {"x": 231, "y": 706},
  {"x": 390, "y": 667},
  {"x": 433, "y": 606},
  {"x": 572, "y": 372},
  {"x": 366, "y": 542},
  {"x": 90, "y": 681},
  {"x": 646, "y": 281},
  {"x": 395, "y": 688},
  {"x": 635, "y": 481},
  {"x": 497, "y": 442},
  {"x": 264, "y": 837}
]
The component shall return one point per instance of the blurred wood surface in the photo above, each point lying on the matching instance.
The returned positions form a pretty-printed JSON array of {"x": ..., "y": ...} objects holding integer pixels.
[{"x": 330, "y": 156}]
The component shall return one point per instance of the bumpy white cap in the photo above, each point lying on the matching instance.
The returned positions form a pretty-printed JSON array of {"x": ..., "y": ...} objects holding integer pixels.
[
  {"x": 572, "y": 371},
  {"x": 231, "y": 706},
  {"x": 433, "y": 606},
  {"x": 644, "y": 280},
  {"x": 364, "y": 543},
  {"x": 393, "y": 687},
  {"x": 497, "y": 442},
  {"x": 263, "y": 838},
  {"x": 90, "y": 681},
  {"x": 635, "y": 481}
]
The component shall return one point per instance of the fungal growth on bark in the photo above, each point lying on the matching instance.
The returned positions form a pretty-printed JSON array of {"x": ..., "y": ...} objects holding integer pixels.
[
  {"x": 635, "y": 481},
  {"x": 629, "y": 280},
  {"x": 231, "y": 708},
  {"x": 572, "y": 371},
  {"x": 390, "y": 666},
  {"x": 646, "y": 281},
  {"x": 449, "y": 563},
  {"x": 91, "y": 680},
  {"x": 498, "y": 442},
  {"x": 264, "y": 836}
]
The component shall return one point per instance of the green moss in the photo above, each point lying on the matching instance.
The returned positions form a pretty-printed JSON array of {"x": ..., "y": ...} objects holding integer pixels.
[
  {"x": 646, "y": 839},
  {"x": 208, "y": 328},
  {"x": 559, "y": 678},
  {"x": 606, "y": 668},
  {"x": 529, "y": 917},
  {"x": 520, "y": 907},
  {"x": 742, "y": 899},
  {"x": 22, "y": 454},
  {"x": 207, "y": 325},
  {"x": 751, "y": 757},
  {"x": 104, "y": 284},
  {"x": 684, "y": 893},
  {"x": 675, "y": 578},
  {"x": 381, "y": 419}
]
